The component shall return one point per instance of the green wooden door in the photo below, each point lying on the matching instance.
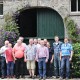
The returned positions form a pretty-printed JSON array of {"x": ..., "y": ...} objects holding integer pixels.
[{"x": 49, "y": 24}]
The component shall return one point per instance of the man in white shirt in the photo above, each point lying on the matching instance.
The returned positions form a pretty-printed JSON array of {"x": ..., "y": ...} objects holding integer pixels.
[{"x": 3, "y": 60}]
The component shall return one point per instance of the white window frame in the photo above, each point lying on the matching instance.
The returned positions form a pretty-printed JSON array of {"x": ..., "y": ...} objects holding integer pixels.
[
  {"x": 1, "y": 15},
  {"x": 74, "y": 12}
]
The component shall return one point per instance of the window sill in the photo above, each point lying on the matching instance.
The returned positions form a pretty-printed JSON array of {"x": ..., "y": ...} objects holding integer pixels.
[
  {"x": 1, "y": 16},
  {"x": 75, "y": 13}
]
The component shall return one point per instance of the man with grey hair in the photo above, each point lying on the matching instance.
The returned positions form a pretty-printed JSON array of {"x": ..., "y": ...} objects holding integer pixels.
[
  {"x": 22, "y": 39},
  {"x": 3, "y": 60},
  {"x": 57, "y": 64},
  {"x": 30, "y": 54},
  {"x": 35, "y": 42},
  {"x": 45, "y": 42},
  {"x": 38, "y": 44}
]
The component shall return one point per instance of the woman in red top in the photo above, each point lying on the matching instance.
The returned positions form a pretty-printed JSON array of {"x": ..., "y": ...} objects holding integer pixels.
[{"x": 9, "y": 61}]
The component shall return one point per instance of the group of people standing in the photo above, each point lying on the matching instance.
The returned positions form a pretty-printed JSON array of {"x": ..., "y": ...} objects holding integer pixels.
[{"x": 37, "y": 52}]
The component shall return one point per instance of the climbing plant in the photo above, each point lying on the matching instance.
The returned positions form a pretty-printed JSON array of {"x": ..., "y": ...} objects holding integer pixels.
[{"x": 72, "y": 29}]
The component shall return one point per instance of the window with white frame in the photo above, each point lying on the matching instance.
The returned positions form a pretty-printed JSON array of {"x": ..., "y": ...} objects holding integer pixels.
[
  {"x": 1, "y": 7},
  {"x": 75, "y": 5}
]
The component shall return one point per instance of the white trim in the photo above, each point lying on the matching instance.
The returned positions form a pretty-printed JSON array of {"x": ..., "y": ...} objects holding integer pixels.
[
  {"x": 1, "y": 16},
  {"x": 74, "y": 12}
]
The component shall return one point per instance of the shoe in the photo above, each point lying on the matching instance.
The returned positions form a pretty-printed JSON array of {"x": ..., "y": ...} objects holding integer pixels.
[
  {"x": 44, "y": 78},
  {"x": 67, "y": 79},
  {"x": 17, "y": 77},
  {"x": 8, "y": 76},
  {"x": 23, "y": 77},
  {"x": 48, "y": 77},
  {"x": 2, "y": 77},
  {"x": 55, "y": 77},
  {"x": 33, "y": 77},
  {"x": 30, "y": 77},
  {"x": 40, "y": 78},
  {"x": 60, "y": 78},
  {"x": 12, "y": 76}
]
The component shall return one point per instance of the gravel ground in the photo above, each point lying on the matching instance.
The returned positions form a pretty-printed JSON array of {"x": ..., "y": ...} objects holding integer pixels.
[{"x": 35, "y": 79}]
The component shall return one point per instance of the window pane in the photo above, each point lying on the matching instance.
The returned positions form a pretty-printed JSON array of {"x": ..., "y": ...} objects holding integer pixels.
[
  {"x": 1, "y": 9},
  {"x": 78, "y": 5},
  {"x": 73, "y": 5}
]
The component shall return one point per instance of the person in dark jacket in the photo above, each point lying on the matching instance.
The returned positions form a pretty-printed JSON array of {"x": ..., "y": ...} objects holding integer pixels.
[{"x": 50, "y": 61}]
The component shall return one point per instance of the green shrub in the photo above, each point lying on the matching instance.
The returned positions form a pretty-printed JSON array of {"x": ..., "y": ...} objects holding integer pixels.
[
  {"x": 76, "y": 61},
  {"x": 10, "y": 25},
  {"x": 9, "y": 31}
]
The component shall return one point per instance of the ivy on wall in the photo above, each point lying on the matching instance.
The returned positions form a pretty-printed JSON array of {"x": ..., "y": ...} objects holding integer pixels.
[{"x": 72, "y": 30}]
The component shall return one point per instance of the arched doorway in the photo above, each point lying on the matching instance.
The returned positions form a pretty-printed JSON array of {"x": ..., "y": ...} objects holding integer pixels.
[{"x": 40, "y": 22}]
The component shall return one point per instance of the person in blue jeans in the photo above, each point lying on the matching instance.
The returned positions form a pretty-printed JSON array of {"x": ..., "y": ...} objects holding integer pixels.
[
  {"x": 65, "y": 57},
  {"x": 42, "y": 57},
  {"x": 56, "y": 47},
  {"x": 9, "y": 61},
  {"x": 10, "y": 67},
  {"x": 3, "y": 60}
]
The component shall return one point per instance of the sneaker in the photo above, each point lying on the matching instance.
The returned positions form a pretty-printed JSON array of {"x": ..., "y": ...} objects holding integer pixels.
[
  {"x": 48, "y": 77},
  {"x": 60, "y": 78},
  {"x": 55, "y": 77},
  {"x": 40, "y": 78},
  {"x": 66, "y": 79},
  {"x": 44, "y": 78}
]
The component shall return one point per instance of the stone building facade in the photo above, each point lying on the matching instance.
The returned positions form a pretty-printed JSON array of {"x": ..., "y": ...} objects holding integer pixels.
[{"x": 63, "y": 7}]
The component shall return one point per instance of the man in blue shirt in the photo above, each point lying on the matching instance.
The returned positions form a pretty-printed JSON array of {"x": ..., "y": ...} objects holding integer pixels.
[
  {"x": 56, "y": 47},
  {"x": 65, "y": 57}
]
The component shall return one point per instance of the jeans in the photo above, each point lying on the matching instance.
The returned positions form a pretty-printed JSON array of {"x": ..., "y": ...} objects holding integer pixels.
[
  {"x": 3, "y": 66},
  {"x": 57, "y": 65},
  {"x": 10, "y": 67},
  {"x": 42, "y": 67},
  {"x": 19, "y": 67},
  {"x": 65, "y": 62}
]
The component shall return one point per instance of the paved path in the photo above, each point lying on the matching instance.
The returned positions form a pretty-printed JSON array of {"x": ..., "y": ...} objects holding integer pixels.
[{"x": 34, "y": 79}]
